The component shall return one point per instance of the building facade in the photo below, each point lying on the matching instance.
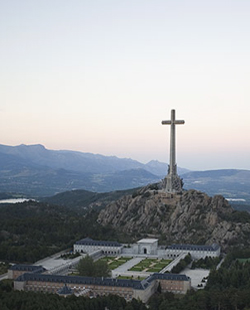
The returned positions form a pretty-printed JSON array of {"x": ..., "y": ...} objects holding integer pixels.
[
  {"x": 127, "y": 289},
  {"x": 196, "y": 251},
  {"x": 17, "y": 270},
  {"x": 175, "y": 283},
  {"x": 148, "y": 246},
  {"x": 89, "y": 245}
]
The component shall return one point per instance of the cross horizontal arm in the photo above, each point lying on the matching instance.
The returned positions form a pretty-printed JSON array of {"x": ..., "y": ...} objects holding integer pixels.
[{"x": 175, "y": 122}]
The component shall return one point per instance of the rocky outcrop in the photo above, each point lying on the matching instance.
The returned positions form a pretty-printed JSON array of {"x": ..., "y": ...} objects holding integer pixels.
[{"x": 190, "y": 217}]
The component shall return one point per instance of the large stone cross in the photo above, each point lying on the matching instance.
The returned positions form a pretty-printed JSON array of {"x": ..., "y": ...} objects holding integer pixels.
[{"x": 172, "y": 178}]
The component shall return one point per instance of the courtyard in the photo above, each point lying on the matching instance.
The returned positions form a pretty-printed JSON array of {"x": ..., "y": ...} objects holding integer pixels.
[
  {"x": 115, "y": 262},
  {"x": 151, "y": 265}
]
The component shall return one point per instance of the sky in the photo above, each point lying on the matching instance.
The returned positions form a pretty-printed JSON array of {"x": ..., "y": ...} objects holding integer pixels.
[{"x": 99, "y": 76}]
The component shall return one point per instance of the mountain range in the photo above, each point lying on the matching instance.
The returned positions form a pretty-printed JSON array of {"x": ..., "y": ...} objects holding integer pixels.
[
  {"x": 35, "y": 171},
  {"x": 39, "y": 156}
]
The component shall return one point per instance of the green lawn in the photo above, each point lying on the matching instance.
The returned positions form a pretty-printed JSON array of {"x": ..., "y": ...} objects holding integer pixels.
[
  {"x": 137, "y": 268},
  {"x": 107, "y": 258},
  {"x": 165, "y": 262},
  {"x": 151, "y": 265},
  {"x": 114, "y": 265},
  {"x": 115, "y": 262},
  {"x": 154, "y": 269},
  {"x": 243, "y": 260},
  {"x": 148, "y": 264}
]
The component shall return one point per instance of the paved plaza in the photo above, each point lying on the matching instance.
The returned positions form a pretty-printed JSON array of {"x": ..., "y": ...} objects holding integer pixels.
[{"x": 196, "y": 276}]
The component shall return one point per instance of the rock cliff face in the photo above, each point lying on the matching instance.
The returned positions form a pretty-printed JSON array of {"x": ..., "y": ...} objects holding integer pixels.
[{"x": 191, "y": 217}]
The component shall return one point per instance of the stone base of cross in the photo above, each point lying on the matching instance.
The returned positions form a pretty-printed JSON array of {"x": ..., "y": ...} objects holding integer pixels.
[{"x": 172, "y": 183}]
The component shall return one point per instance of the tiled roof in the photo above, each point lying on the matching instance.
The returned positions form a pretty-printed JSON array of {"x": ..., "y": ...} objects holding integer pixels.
[
  {"x": 91, "y": 242},
  {"x": 65, "y": 290},
  {"x": 192, "y": 247},
  {"x": 28, "y": 268},
  {"x": 135, "y": 284},
  {"x": 171, "y": 276},
  {"x": 166, "y": 276}
]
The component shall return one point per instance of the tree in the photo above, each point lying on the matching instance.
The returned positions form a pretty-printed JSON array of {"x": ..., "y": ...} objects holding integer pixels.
[
  {"x": 87, "y": 267},
  {"x": 101, "y": 269}
]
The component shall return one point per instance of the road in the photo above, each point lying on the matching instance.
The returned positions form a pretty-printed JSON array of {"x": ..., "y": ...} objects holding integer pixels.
[{"x": 3, "y": 276}]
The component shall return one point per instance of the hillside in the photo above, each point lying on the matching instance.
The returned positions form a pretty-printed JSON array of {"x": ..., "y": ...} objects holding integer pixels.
[
  {"x": 31, "y": 230},
  {"x": 85, "y": 200},
  {"x": 192, "y": 217}
]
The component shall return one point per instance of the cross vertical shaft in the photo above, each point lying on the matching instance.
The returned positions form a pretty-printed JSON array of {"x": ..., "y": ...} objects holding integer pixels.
[
  {"x": 172, "y": 162},
  {"x": 172, "y": 173}
]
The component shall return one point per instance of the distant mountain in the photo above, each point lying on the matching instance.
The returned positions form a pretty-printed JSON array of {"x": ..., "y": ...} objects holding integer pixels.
[
  {"x": 69, "y": 160},
  {"x": 230, "y": 183},
  {"x": 78, "y": 161},
  {"x": 36, "y": 171}
]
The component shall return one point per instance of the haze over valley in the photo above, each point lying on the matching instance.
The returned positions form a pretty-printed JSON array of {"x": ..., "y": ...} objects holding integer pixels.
[{"x": 35, "y": 171}]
